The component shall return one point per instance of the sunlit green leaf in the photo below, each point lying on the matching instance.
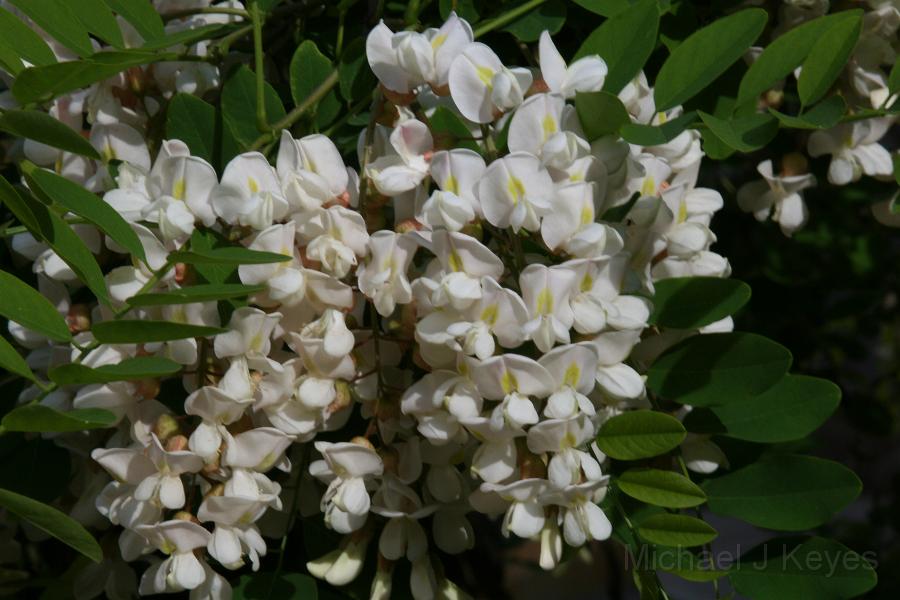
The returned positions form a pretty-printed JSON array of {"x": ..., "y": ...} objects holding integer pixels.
[
  {"x": 639, "y": 434},
  {"x": 26, "y": 306},
  {"x": 661, "y": 488},
  {"x": 693, "y": 302}
]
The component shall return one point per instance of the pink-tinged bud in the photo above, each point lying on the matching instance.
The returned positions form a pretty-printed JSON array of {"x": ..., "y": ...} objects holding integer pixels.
[
  {"x": 148, "y": 389},
  {"x": 361, "y": 441},
  {"x": 794, "y": 164},
  {"x": 79, "y": 318},
  {"x": 165, "y": 427},
  {"x": 180, "y": 272},
  {"x": 773, "y": 99},
  {"x": 538, "y": 86},
  {"x": 177, "y": 443},
  {"x": 342, "y": 199},
  {"x": 428, "y": 155},
  {"x": 664, "y": 186},
  {"x": 342, "y": 398},
  {"x": 398, "y": 98},
  {"x": 407, "y": 225}
]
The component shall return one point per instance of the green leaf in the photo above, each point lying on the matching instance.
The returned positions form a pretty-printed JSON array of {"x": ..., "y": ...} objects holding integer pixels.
[
  {"x": 12, "y": 361},
  {"x": 449, "y": 131},
  {"x": 818, "y": 568},
  {"x": 41, "y": 127},
  {"x": 52, "y": 521},
  {"x": 26, "y": 306},
  {"x": 705, "y": 55},
  {"x": 789, "y": 410},
  {"x": 141, "y": 15},
  {"x": 57, "y": 18},
  {"x": 549, "y": 17},
  {"x": 824, "y": 115},
  {"x": 141, "y": 367},
  {"x": 657, "y": 135},
  {"x": 624, "y": 42},
  {"x": 718, "y": 368},
  {"x": 744, "y": 134},
  {"x": 38, "y": 418},
  {"x": 466, "y": 9},
  {"x": 894, "y": 79},
  {"x": 99, "y": 20},
  {"x": 187, "y": 37},
  {"x": 600, "y": 113},
  {"x": 309, "y": 69},
  {"x": 785, "y": 54},
  {"x": 661, "y": 488},
  {"x": 230, "y": 255},
  {"x": 47, "y": 226},
  {"x": 192, "y": 121},
  {"x": 19, "y": 39},
  {"x": 604, "y": 8},
  {"x": 197, "y": 293},
  {"x": 49, "y": 81},
  {"x": 125, "y": 331},
  {"x": 784, "y": 492},
  {"x": 693, "y": 302},
  {"x": 356, "y": 79},
  {"x": 263, "y": 586},
  {"x": 88, "y": 205},
  {"x": 640, "y": 434},
  {"x": 239, "y": 105},
  {"x": 676, "y": 530},
  {"x": 827, "y": 59}
]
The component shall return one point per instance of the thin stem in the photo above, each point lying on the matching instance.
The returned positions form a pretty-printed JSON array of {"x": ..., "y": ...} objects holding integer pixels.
[
  {"x": 354, "y": 110},
  {"x": 339, "y": 42},
  {"x": 224, "y": 44},
  {"x": 377, "y": 105},
  {"x": 262, "y": 123},
  {"x": 298, "y": 111},
  {"x": 507, "y": 17}
]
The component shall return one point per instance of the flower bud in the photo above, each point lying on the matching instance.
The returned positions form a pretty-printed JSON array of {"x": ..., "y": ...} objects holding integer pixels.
[
  {"x": 177, "y": 443},
  {"x": 340, "y": 567},
  {"x": 383, "y": 580},
  {"x": 408, "y": 225},
  {"x": 551, "y": 544},
  {"x": 180, "y": 273},
  {"x": 342, "y": 397},
  {"x": 79, "y": 318},
  {"x": 361, "y": 441},
  {"x": 165, "y": 427},
  {"x": 794, "y": 163},
  {"x": 183, "y": 515},
  {"x": 147, "y": 388}
]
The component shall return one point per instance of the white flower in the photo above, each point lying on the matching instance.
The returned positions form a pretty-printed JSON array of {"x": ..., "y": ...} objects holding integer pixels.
[
  {"x": 250, "y": 332},
  {"x": 383, "y": 277},
  {"x": 781, "y": 192},
  {"x": 346, "y": 467},
  {"x": 581, "y": 518},
  {"x": 546, "y": 292},
  {"x": 584, "y": 75},
  {"x": 249, "y": 193},
  {"x": 482, "y": 87},
  {"x": 854, "y": 150},
  {"x": 235, "y": 533},
  {"x": 516, "y": 191},
  {"x": 181, "y": 570},
  {"x": 407, "y": 166}
]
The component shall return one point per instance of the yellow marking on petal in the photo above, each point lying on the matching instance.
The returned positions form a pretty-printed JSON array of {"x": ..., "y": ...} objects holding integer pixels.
[
  {"x": 516, "y": 189},
  {"x": 508, "y": 382},
  {"x": 577, "y": 176},
  {"x": 661, "y": 118},
  {"x": 108, "y": 153},
  {"x": 438, "y": 41},
  {"x": 545, "y": 302},
  {"x": 463, "y": 368},
  {"x": 451, "y": 185},
  {"x": 587, "y": 283},
  {"x": 179, "y": 315},
  {"x": 485, "y": 75},
  {"x": 573, "y": 374},
  {"x": 178, "y": 189},
  {"x": 587, "y": 215},
  {"x": 682, "y": 212},
  {"x": 455, "y": 262},
  {"x": 549, "y": 126},
  {"x": 648, "y": 188},
  {"x": 246, "y": 518},
  {"x": 568, "y": 441},
  {"x": 168, "y": 547},
  {"x": 256, "y": 342},
  {"x": 253, "y": 185},
  {"x": 489, "y": 314}
]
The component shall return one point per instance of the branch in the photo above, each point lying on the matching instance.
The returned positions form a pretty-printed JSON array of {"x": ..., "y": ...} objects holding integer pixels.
[{"x": 507, "y": 18}]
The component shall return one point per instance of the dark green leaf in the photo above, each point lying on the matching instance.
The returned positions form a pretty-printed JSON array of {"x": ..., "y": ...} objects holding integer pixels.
[
  {"x": 356, "y": 78},
  {"x": 605, "y": 8},
  {"x": 661, "y": 488},
  {"x": 23, "y": 42},
  {"x": 549, "y": 16},
  {"x": 789, "y": 410},
  {"x": 189, "y": 36},
  {"x": 197, "y": 293},
  {"x": 784, "y": 492},
  {"x": 718, "y": 368},
  {"x": 265, "y": 586},
  {"x": 657, "y": 135},
  {"x": 705, "y": 55},
  {"x": 85, "y": 204},
  {"x": 309, "y": 69},
  {"x": 639, "y": 434},
  {"x": 41, "y": 127},
  {"x": 894, "y": 78},
  {"x": 239, "y": 105},
  {"x": 141, "y": 367},
  {"x": 624, "y": 42},
  {"x": 26, "y": 306},
  {"x": 57, "y": 18},
  {"x": 50, "y": 520},
  {"x": 827, "y": 59},
  {"x": 600, "y": 113},
  {"x": 744, "y": 134},
  {"x": 676, "y": 530},
  {"x": 449, "y": 131},
  {"x": 12, "y": 361},
  {"x": 818, "y": 568},
  {"x": 824, "y": 115},
  {"x": 126, "y": 331},
  {"x": 693, "y": 302},
  {"x": 43, "y": 419},
  {"x": 466, "y": 9},
  {"x": 231, "y": 255},
  {"x": 785, "y": 54},
  {"x": 141, "y": 15},
  {"x": 192, "y": 121},
  {"x": 99, "y": 20}
]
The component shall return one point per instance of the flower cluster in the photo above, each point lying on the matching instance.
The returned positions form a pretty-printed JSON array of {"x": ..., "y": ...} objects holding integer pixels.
[{"x": 459, "y": 316}]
